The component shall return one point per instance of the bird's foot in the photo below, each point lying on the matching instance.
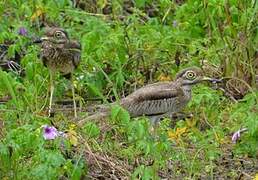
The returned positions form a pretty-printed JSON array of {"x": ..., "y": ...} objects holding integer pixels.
[
  {"x": 51, "y": 113},
  {"x": 75, "y": 117}
]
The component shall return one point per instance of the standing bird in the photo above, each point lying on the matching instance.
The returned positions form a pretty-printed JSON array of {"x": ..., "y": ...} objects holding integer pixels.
[
  {"x": 60, "y": 54},
  {"x": 161, "y": 99}
]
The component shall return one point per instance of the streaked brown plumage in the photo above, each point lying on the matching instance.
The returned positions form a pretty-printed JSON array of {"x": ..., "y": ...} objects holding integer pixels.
[
  {"x": 60, "y": 54},
  {"x": 159, "y": 99}
]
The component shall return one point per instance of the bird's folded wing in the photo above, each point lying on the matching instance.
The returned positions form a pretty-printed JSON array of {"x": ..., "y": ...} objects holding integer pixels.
[
  {"x": 75, "y": 48},
  {"x": 156, "y": 93},
  {"x": 73, "y": 45}
]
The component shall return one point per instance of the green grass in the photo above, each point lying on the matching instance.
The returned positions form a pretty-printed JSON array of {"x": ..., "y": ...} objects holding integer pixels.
[{"x": 121, "y": 51}]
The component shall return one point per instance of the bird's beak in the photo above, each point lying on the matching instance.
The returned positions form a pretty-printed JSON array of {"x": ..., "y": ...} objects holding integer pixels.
[
  {"x": 40, "y": 40},
  {"x": 213, "y": 80},
  {"x": 44, "y": 38}
]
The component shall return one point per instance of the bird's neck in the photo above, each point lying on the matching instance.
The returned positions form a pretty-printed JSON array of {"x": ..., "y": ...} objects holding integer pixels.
[{"x": 187, "y": 88}]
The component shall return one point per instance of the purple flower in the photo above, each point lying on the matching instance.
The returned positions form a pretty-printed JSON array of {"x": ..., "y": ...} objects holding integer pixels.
[
  {"x": 22, "y": 31},
  {"x": 237, "y": 134},
  {"x": 50, "y": 132},
  {"x": 174, "y": 23}
]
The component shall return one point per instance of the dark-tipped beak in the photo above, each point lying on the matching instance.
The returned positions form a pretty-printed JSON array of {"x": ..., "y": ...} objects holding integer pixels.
[
  {"x": 40, "y": 40},
  {"x": 37, "y": 40},
  {"x": 213, "y": 80}
]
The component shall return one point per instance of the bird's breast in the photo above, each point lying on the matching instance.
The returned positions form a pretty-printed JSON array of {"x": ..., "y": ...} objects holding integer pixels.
[{"x": 58, "y": 59}]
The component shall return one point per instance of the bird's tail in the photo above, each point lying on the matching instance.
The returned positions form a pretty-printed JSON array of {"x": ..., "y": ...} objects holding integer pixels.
[
  {"x": 95, "y": 117},
  {"x": 101, "y": 112}
]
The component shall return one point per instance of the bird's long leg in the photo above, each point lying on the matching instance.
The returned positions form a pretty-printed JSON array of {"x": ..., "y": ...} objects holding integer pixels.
[
  {"x": 52, "y": 87},
  {"x": 154, "y": 120},
  {"x": 74, "y": 102}
]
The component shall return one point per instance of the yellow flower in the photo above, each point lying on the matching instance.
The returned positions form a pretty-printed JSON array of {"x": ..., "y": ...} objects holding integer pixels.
[
  {"x": 164, "y": 77},
  {"x": 72, "y": 126},
  {"x": 177, "y": 134},
  {"x": 39, "y": 12},
  {"x": 256, "y": 177},
  {"x": 72, "y": 137}
]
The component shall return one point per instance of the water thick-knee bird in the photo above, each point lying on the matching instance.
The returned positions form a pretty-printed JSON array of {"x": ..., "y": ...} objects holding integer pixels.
[
  {"x": 160, "y": 99},
  {"x": 60, "y": 54}
]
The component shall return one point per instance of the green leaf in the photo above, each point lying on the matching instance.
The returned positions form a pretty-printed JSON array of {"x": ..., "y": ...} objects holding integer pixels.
[
  {"x": 120, "y": 114},
  {"x": 6, "y": 82},
  {"x": 93, "y": 89},
  {"x": 91, "y": 130},
  {"x": 140, "y": 3}
]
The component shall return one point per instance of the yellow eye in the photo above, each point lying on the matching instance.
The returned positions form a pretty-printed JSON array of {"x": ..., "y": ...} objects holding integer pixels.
[
  {"x": 58, "y": 34},
  {"x": 190, "y": 75}
]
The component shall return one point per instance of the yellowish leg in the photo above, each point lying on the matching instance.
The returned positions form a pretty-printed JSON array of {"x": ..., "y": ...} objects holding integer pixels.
[
  {"x": 52, "y": 87},
  {"x": 74, "y": 102},
  {"x": 154, "y": 120}
]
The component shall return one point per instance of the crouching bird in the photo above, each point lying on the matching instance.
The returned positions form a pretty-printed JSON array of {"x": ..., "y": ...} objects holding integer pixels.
[
  {"x": 161, "y": 99},
  {"x": 59, "y": 54}
]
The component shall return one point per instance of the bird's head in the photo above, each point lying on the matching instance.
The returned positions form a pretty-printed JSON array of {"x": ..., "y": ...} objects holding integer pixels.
[
  {"x": 55, "y": 36},
  {"x": 193, "y": 75}
]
